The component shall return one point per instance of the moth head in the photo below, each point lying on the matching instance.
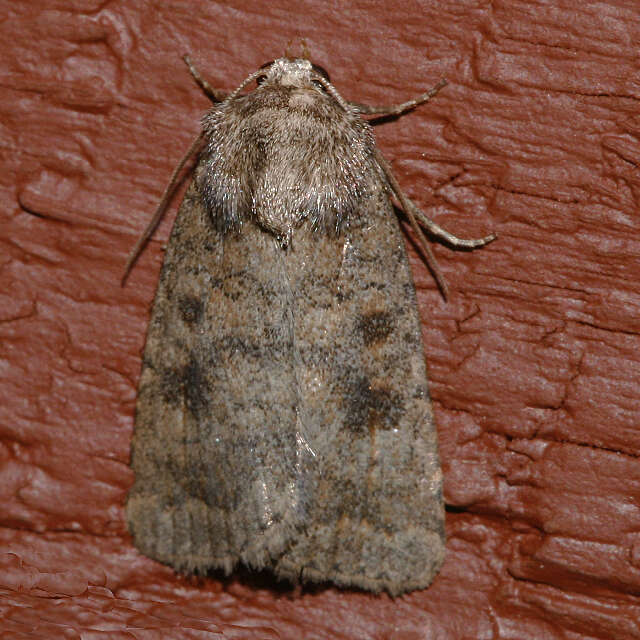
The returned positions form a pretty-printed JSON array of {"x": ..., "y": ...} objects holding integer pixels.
[{"x": 294, "y": 72}]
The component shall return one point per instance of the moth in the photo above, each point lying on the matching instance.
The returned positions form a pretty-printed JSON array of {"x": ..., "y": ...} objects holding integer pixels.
[{"x": 283, "y": 418}]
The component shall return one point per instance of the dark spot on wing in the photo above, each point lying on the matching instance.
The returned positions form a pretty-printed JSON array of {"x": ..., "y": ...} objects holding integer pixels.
[
  {"x": 191, "y": 309},
  {"x": 188, "y": 384},
  {"x": 376, "y": 326},
  {"x": 371, "y": 408},
  {"x": 196, "y": 391},
  {"x": 171, "y": 386}
]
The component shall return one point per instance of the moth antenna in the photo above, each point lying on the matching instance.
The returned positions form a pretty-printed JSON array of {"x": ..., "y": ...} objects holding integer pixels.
[
  {"x": 333, "y": 92},
  {"x": 159, "y": 212},
  {"x": 215, "y": 95},
  {"x": 245, "y": 82}
]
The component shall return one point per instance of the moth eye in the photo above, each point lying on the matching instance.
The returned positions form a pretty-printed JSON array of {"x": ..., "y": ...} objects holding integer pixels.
[
  {"x": 318, "y": 85},
  {"x": 321, "y": 72},
  {"x": 263, "y": 76}
]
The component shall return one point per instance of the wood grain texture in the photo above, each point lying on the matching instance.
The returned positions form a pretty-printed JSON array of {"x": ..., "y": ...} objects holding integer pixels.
[{"x": 534, "y": 362}]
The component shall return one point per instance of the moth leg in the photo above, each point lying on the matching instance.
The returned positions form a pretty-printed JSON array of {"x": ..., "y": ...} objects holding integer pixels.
[
  {"x": 397, "y": 109},
  {"x": 417, "y": 218},
  {"x": 422, "y": 241},
  {"x": 446, "y": 236},
  {"x": 215, "y": 95},
  {"x": 159, "y": 212}
]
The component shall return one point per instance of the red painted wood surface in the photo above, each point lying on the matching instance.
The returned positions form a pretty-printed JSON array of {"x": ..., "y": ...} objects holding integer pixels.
[{"x": 534, "y": 362}]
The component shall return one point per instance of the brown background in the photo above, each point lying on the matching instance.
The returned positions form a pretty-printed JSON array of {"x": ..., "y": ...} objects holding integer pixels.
[{"x": 534, "y": 363}]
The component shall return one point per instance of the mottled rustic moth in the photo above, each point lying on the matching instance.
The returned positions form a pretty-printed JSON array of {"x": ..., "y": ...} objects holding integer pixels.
[{"x": 283, "y": 417}]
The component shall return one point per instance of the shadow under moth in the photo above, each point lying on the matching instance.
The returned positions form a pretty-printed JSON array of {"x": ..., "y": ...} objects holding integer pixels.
[{"x": 283, "y": 418}]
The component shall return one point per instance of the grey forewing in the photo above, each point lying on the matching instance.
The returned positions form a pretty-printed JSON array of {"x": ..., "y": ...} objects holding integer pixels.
[
  {"x": 216, "y": 451},
  {"x": 283, "y": 417},
  {"x": 376, "y": 514}
]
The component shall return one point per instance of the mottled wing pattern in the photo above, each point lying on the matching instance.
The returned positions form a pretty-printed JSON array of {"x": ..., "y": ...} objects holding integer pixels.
[
  {"x": 376, "y": 517},
  {"x": 283, "y": 417},
  {"x": 219, "y": 465}
]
